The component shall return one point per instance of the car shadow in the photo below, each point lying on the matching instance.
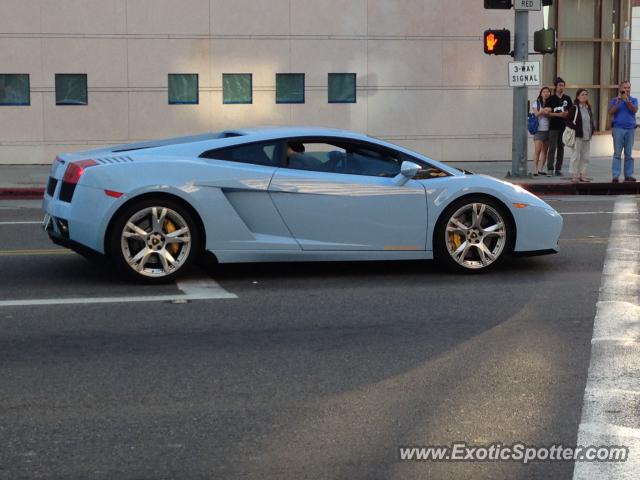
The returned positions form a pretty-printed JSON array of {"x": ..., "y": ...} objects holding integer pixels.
[{"x": 403, "y": 268}]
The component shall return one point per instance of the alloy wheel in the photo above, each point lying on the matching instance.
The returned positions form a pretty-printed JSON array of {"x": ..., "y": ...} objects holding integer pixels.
[
  {"x": 156, "y": 241},
  {"x": 475, "y": 236}
]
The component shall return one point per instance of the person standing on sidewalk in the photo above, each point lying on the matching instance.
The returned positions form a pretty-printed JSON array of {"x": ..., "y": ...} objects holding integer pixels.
[
  {"x": 560, "y": 105},
  {"x": 580, "y": 118},
  {"x": 541, "y": 137},
  {"x": 623, "y": 110}
]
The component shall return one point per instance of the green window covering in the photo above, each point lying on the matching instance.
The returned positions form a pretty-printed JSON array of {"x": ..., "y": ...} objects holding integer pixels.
[
  {"x": 237, "y": 88},
  {"x": 71, "y": 89},
  {"x": 183, "y": 88},
  {"x": 289, "y": 87},
  {"x": 14, "y": 89},
  {"x": 342, "y": 88}
]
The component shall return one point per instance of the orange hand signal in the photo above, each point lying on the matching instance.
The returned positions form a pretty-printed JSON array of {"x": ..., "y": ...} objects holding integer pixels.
[
  {"x": 497, "y": 42},
  {"x": 492, "y": 41}
]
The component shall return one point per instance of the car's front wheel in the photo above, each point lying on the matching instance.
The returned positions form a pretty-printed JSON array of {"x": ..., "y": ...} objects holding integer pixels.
[
  {"x": 154, "y": 240},
  {"x": 474, "y": 234}
]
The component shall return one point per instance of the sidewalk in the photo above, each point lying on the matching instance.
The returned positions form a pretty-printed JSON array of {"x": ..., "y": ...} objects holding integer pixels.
[
  {"x": 28, "y": 181},
  {"x": 599, "y": 172}
]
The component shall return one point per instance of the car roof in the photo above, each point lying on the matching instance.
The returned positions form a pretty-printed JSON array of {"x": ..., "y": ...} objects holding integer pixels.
[
  {"x": 231, "y": 137},
  {"x": 295, "y": 131}
]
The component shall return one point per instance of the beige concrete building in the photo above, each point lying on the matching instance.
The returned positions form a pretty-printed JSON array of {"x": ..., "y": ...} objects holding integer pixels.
[
  {"x": 634, "y": 75},
  {"x": 421, "y": 77}
]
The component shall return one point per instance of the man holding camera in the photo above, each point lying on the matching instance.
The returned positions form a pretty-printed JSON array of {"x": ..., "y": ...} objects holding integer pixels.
[{"x": 623, "y": 110}]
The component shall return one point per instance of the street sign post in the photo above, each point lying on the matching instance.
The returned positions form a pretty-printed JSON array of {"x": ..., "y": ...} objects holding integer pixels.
[
  {"x": 519, "y": 135},
  {"x": 527, "y": 5},
  {"x": 524, "y": 74}
]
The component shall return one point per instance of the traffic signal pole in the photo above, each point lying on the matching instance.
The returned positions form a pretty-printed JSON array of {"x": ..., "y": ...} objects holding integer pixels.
[{"x": 519, "y": 129}]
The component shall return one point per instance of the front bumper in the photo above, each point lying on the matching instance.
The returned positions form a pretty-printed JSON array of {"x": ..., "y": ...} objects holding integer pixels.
[{"x": 538, "y": 229}]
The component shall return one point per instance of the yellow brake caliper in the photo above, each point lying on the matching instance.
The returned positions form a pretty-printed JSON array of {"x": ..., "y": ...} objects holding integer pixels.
[
  {"x": 170, "y": 227},
  {"x": 456, "y": 239}
]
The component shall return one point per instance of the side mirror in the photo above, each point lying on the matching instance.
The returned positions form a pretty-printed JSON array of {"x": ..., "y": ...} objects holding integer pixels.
[{"x": 408, "y": 170}]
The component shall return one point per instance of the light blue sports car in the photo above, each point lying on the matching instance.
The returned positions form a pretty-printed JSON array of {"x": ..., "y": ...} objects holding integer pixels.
[{"x": 286, "y": 194}]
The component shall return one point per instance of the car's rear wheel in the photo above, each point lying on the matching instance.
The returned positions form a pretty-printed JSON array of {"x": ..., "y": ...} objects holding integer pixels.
[
  {"x": 474, "y": 234},
  {"x": 154, "y": 240}
]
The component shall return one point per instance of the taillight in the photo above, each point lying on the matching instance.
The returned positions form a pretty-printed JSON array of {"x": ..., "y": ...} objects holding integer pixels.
[{"x": 75, "y": 170}]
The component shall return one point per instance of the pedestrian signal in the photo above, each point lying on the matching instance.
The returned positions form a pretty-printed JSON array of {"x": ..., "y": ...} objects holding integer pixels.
[
  {"x": 497, "y": 42},
  {"x": 544, "y": 41},
  {"x": 502, "y": 4}
]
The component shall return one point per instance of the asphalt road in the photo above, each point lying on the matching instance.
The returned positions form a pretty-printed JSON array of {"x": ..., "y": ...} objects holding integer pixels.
[{"x": 313, "y": 371}]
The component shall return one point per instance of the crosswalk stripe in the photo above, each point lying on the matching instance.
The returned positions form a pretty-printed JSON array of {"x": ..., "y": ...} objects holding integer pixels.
[{"x": 608, "y": 417}]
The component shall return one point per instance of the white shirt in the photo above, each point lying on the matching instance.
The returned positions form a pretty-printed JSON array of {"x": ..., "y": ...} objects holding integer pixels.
[{"x": 543, "y": 120}]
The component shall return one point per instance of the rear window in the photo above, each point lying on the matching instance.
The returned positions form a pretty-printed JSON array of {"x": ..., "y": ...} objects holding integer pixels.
[{"x": 264, "y": 153}]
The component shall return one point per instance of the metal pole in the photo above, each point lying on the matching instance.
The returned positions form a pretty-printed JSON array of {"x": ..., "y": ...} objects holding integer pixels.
[{"x": 519, "y": 132}]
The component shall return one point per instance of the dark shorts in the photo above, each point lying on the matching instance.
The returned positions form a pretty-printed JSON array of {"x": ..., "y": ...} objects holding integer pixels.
[{"x": 541, "y": 136}]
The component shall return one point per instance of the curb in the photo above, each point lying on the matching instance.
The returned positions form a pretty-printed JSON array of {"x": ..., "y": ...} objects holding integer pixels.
[{"x": 591, "y": 188}]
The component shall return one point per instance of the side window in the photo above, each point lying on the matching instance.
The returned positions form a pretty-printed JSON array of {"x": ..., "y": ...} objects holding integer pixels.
[
  {"x": 255, "y": 153},
  {"x": 347, "y": 158},
  {"x": 315, "y": 156},
  {"x": 376, "y": 163}
]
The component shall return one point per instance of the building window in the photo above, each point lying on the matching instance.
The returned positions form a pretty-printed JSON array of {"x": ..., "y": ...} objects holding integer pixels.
[
  {"x": 593, "y": 49},
  {"x": 237, "y": 88},
  {"x": 342, "y": 88},
  {"x": 183, "y": 89},
  {"x": 14, "y": 89},
  {"x": 289, "y": 87},
  {"x": 71, "y": 89}
]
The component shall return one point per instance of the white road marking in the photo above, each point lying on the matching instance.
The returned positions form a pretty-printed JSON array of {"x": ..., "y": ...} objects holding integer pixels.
[
  {"x": 585, "y": 213},
  {"x": 613, "y": 339},
  {"x": 606, "y": 430},
  {"x": 615, "y": 391},
  {"x": 39, "y": 251},
  {"x": 194, "y": 289},
  {"x": 204, "y": 288},
  {"x": 608, "y": 415},
  {"x": 21, "y": 223}
]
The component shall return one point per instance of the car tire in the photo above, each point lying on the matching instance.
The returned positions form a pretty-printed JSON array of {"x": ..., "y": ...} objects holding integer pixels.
[
  {"x": 154, "y": 240},
  {"x": 474, "y": 234}
]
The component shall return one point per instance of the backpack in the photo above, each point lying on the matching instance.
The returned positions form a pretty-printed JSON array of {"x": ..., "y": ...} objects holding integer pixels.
[{"x": 532, "y": 123}]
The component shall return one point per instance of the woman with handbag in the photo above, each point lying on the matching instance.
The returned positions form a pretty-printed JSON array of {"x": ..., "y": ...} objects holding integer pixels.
[
  {"x": 580, "y": 120},
  {"x": 541, "y": 137}
]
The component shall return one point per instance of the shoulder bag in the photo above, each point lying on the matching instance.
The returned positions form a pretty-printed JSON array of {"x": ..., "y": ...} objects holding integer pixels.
[
  {"x": 532, "y": 120},
  {"x": 569, "y": 134}
]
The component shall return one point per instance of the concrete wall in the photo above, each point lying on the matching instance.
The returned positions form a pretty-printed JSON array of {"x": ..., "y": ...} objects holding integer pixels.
[
  {"x": 635, "y": 55},
  {"x": 423, "y": 80}
]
